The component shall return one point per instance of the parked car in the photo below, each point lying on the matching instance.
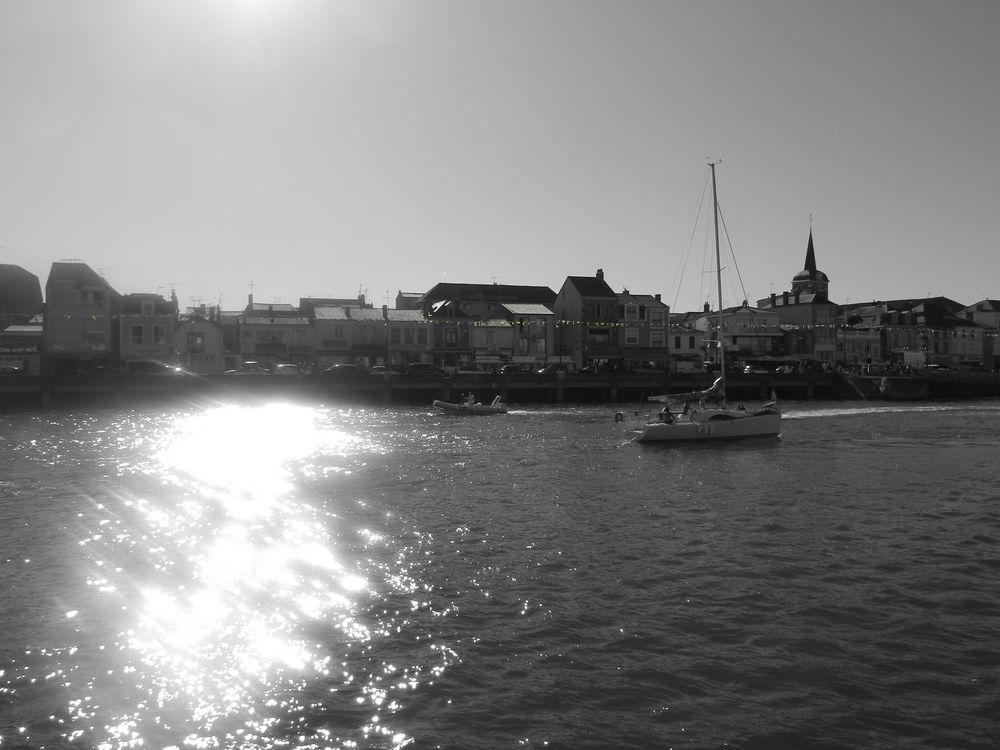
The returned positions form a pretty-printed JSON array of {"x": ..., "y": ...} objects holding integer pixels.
[
  {"x": 151, "y": 367},
  {"x": 378, "y": 370},
  {"x": 786, "y": 369},
  {"x": 9, "y": 371},
  {"x": 514, "y": 369},
  {"x": 754, "y": 370},
  {"x": 251, "y": 368},
  {"x": 556, "y": 367},
  {"x": 286, "y": 368},
  {"x": 344, "y": 370}
]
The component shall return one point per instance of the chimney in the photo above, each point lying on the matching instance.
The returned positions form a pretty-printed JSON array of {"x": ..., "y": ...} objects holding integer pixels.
[
  {"x": 657, "y": 296},
  {"x": 707, "y": 308},
  {"x": 774, "y": 299},
  {"x": 600, "y": 274},
  {"x": 385, "y": 312}
]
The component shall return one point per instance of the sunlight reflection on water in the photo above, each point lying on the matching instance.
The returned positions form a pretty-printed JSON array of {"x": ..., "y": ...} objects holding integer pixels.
[{"x": 241, "y": 570}]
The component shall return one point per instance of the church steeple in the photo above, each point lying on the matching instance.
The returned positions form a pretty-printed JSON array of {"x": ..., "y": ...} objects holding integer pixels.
[
  {"x": 810, "y": 280},
  {"x": 810, "y": 256}
]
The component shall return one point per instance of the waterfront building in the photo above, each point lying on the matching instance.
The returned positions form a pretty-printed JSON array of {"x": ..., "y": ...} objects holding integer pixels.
[
  {"x": 21, "y": 347},
  {"x": 20, "y": 295},
  {"x": 367, "y": 336},
  {"x": 860, "y": 342},
  {"x": 987, "y": 314},
  {"x": 479, "y": 301},
  {"x": 273, "y": 334},
  {"x": 455, "y": 310},
  {"x": 145, "y": 330},
  {"x": 531, "y": 326},
  {"x": 198, "y": 341},
  {"x": 308, "y": 305},
  {"x": 686, "y": 343},
  {"x": 749, "y": 334},
  {"x": 408, "y": 300},
  {"x": 587, "y": 321},
  {"x": 409, "y": 338},
  {"x": 805, "y": 315},
  {"x": 81, "y": 312},
  {"x": 642, "y": 332},
  {"x": 916, "y": 332}
]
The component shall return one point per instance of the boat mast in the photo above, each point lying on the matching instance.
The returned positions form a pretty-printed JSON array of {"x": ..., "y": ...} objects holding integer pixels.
[{"x": 718, "y": 281}]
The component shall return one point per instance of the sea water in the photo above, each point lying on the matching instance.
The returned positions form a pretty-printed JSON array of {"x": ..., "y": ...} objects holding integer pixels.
[{"x": 277, "y": 575}]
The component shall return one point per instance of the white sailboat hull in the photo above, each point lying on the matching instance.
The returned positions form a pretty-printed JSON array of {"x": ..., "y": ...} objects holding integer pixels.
[{"x": 721, "y": 425}]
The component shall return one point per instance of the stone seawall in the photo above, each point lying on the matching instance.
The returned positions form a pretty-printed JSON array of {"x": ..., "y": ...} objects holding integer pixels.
[{"x": 412, "y": 389}]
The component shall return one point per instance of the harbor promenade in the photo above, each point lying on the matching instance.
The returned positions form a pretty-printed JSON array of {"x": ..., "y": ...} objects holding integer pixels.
[{"x": 523, "y": 388}]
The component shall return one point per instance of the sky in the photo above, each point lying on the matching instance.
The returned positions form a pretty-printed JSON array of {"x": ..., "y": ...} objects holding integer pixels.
[{"x": 325, "y": 148}]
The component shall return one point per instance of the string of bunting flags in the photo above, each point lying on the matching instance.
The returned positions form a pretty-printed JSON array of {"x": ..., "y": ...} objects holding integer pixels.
[{"x": 764, "y": 326}]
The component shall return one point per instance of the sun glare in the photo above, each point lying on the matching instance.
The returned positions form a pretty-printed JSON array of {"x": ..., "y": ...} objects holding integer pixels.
[{"x": 253, "y": 565}]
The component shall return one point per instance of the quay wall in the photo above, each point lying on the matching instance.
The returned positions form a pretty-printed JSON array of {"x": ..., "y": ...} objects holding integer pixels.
[
  {"x": 944, "y": 384},
  {"x": 411, "y": 389}
]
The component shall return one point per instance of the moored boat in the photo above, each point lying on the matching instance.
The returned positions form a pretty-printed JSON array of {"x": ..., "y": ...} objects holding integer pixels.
[{"x": 470, "y": 407}]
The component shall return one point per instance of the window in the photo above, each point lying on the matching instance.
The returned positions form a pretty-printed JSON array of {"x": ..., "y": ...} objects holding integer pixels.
[
  {"x": 677, "y": 343},
  {"x": 450, "y": 337},
  {"x": 159, "y": 334},
  {"x": 631, "y": 336},
  {"x": 408, "y": 336},
  {"x": 268, "y": 336},
  {"x": 92, "y": 298},
  {"x": 657, "y": 339},
  {"x": 691, "y": 343},
  {"x": 422, "y": 336},
  {"x": 135, "y": 336},
  {"x": 656, "y": 317},
  {"x": 196, "y": 342},
  {"x": 394, "y": 335}
]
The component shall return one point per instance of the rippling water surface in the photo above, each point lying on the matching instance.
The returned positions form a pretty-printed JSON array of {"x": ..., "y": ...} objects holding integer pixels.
[{"x": 289, "y": 576}]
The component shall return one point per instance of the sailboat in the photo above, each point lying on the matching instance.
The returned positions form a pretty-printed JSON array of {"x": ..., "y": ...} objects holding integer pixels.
[{"x": 705, "y": 415}]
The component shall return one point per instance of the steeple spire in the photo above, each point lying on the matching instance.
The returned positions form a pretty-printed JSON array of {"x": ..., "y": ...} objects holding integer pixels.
[
  {"x": 810, "y": 257},
  {"x": 810, "y": 280}
]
